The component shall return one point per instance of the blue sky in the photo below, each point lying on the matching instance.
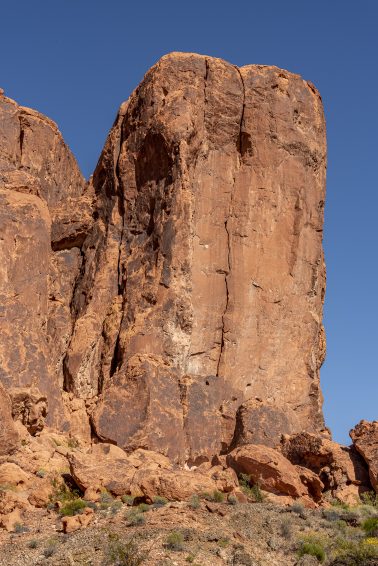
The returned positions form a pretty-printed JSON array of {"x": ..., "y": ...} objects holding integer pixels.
[{"x": 76, "y": 60}]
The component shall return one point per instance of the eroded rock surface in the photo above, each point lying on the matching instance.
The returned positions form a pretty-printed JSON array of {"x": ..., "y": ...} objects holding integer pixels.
[
  {"x": 185, "y": 279},
  {"x": 341, "y": 469},
  {"x": 365, "y": 440},
  {"x": 203, "y": 278}
]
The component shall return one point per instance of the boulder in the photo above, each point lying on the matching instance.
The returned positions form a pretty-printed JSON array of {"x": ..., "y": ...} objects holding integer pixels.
[
  {"x": 30, "y": 407},
  {"x": 365, "y": 440},
  {"x": 267, "y": 468},
  {"x": 77, "y": 522},
  {"x": 341, "y": 469},
  {"x": 259, "y": 422}
]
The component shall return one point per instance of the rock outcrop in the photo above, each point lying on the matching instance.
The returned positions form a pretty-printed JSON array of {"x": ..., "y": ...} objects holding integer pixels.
[
  {"x": 365, "y": 440},
  {"x": 186, "y": 278},
  {"x": 172, "y": 304},
  {"x": 341, "y": 469}
]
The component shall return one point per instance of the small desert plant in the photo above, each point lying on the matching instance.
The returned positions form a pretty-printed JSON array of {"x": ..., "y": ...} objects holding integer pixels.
[
  {"x": 115, "y": 507},
  {"x": 232, "y": 500},
  {"x": 49, "y": 551},
  {"x": 19, "y": 528},
  {"x": 158, "y": 502},
  {"x": 257, "y": 493},
  {"x": 312, "y": 547},
  {"x": 41, "y": 473},
  {"x": 143, "y": 508},
  {"x": 299, "y": 510},
  {"x": 175, "y": 541},
  {"x": 370, "y": 498},
  {"x": 217, "y": 496},
  {"x": 250, "y": 490},
  {"x": 73, "y": 443},
  {"x": 125, "y": 553},
  {"x": 286, "y": 529},
  {"x": 127, "y": 499},
  {"x": 73, "y": 507},
  {"x": 135, "y": 519},
  {"x": 194, "y": 502},
  {"x": 355, "y": 553},
  {"x": 33, "y": 543},
  {"x": 370, "y": 526}
]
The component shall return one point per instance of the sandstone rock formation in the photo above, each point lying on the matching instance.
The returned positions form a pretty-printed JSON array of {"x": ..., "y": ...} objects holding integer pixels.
[
  {"x": 185, "y": 279},
  {"x": 365, "y": 440},
  {"x": 340, "y": 468}
]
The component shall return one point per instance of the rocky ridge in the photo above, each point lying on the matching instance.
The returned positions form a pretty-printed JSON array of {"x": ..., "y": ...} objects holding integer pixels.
[{"x": 161, "y": 324}]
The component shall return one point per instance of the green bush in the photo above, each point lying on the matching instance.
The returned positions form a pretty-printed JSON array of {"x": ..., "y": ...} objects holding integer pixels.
[
  {"x": 125, "y": 553},
  {"x": 354, "y": 553},
  {"x": 217, "y": 496},
  {"x": 143, "y": 508},
  {"x": 370, "y": 498},
  {"x": 175, "y": 541},
  {"x": 73, "y": 507},
  {"x": 33, "y": 543},
  {"x": 194, "y": 502},
  {"x": 135, "y": 519},
  {"x": 232, "y": 500},
  {"x": 313, "y": 548},
  {"x": 370, "y": 526},
  {"x": 159, "y": 501},
  {"x": 250, "y": 490},
  {"x": 127, "y": 499}
]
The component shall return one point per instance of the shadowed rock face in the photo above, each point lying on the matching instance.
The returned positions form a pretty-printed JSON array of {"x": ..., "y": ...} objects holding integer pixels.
[{"x": 188, "y": 277}]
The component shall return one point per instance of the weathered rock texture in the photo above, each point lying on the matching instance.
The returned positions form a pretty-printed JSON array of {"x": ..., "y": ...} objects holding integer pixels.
[
  {"x": 365, "y": 440},
  {"x": 187, "y": 277}
]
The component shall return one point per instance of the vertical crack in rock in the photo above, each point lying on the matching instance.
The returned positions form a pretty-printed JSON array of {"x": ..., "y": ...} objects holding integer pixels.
[
  {"x": 227, "y": 228},
  {"x": 21, "y": 137}
]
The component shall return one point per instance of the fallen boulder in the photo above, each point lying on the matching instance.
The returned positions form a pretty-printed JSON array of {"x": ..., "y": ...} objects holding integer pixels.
[
  {"x": 267, "y": 468},
  {"x": 365, "y": 440}
]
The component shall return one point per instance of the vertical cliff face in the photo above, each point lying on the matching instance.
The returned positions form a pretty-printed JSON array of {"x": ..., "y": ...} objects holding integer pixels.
[
  {"x": 188, "y": 278},
  {"x": 41, "y": 231}
]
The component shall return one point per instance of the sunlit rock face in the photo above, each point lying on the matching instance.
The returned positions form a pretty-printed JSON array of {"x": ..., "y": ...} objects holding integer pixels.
[{"x": 186, "y": 279}]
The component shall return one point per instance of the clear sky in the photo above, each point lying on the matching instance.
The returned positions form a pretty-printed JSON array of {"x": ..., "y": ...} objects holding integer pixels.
[{"x": 76, "y": 60}]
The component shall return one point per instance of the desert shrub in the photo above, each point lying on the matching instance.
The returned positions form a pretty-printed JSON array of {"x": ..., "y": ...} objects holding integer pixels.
[
  {"x": 232, "y": 500},
  {"x": 158, "y": 502},
  {"x": 286, "y": 529},
  {"x": 354, "y": 553},
  {"x": 73, "y": 443},
  {"x": 143, "y": 508},
  {"x": 338, "y": 503},
  {"x": 62, "y": 492},
  {"x": 313, "y": 545},
  {"x": 125, "y": 553},
  {"x": 257, "y": 493},
  {"x": 72, "y": 507},
  {"x": 194, "y": 502},
  {"x": 19, "y": 528},
  {"x": 370, "y": 526},
  {"x": 250, "y": 490},
  {"x": 134, "y": 518},
  {"x": 49, "y": 551},
  {"x": 217, "y": 496},
  {"x": 127, "y": 499},
  {"x": 331, "y": 515},
  {"x": 115, "y": 507},
  {"x": 41, "y": 473},
  {"x": 33, "y": 543},
  {"x": 175, "y": 541},
  {"x": 299, "y": 510},
  {"x": 370, "y": 498}
]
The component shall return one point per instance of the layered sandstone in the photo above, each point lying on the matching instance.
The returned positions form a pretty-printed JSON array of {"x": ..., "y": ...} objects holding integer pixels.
[{"x": 186, "y": 279}]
